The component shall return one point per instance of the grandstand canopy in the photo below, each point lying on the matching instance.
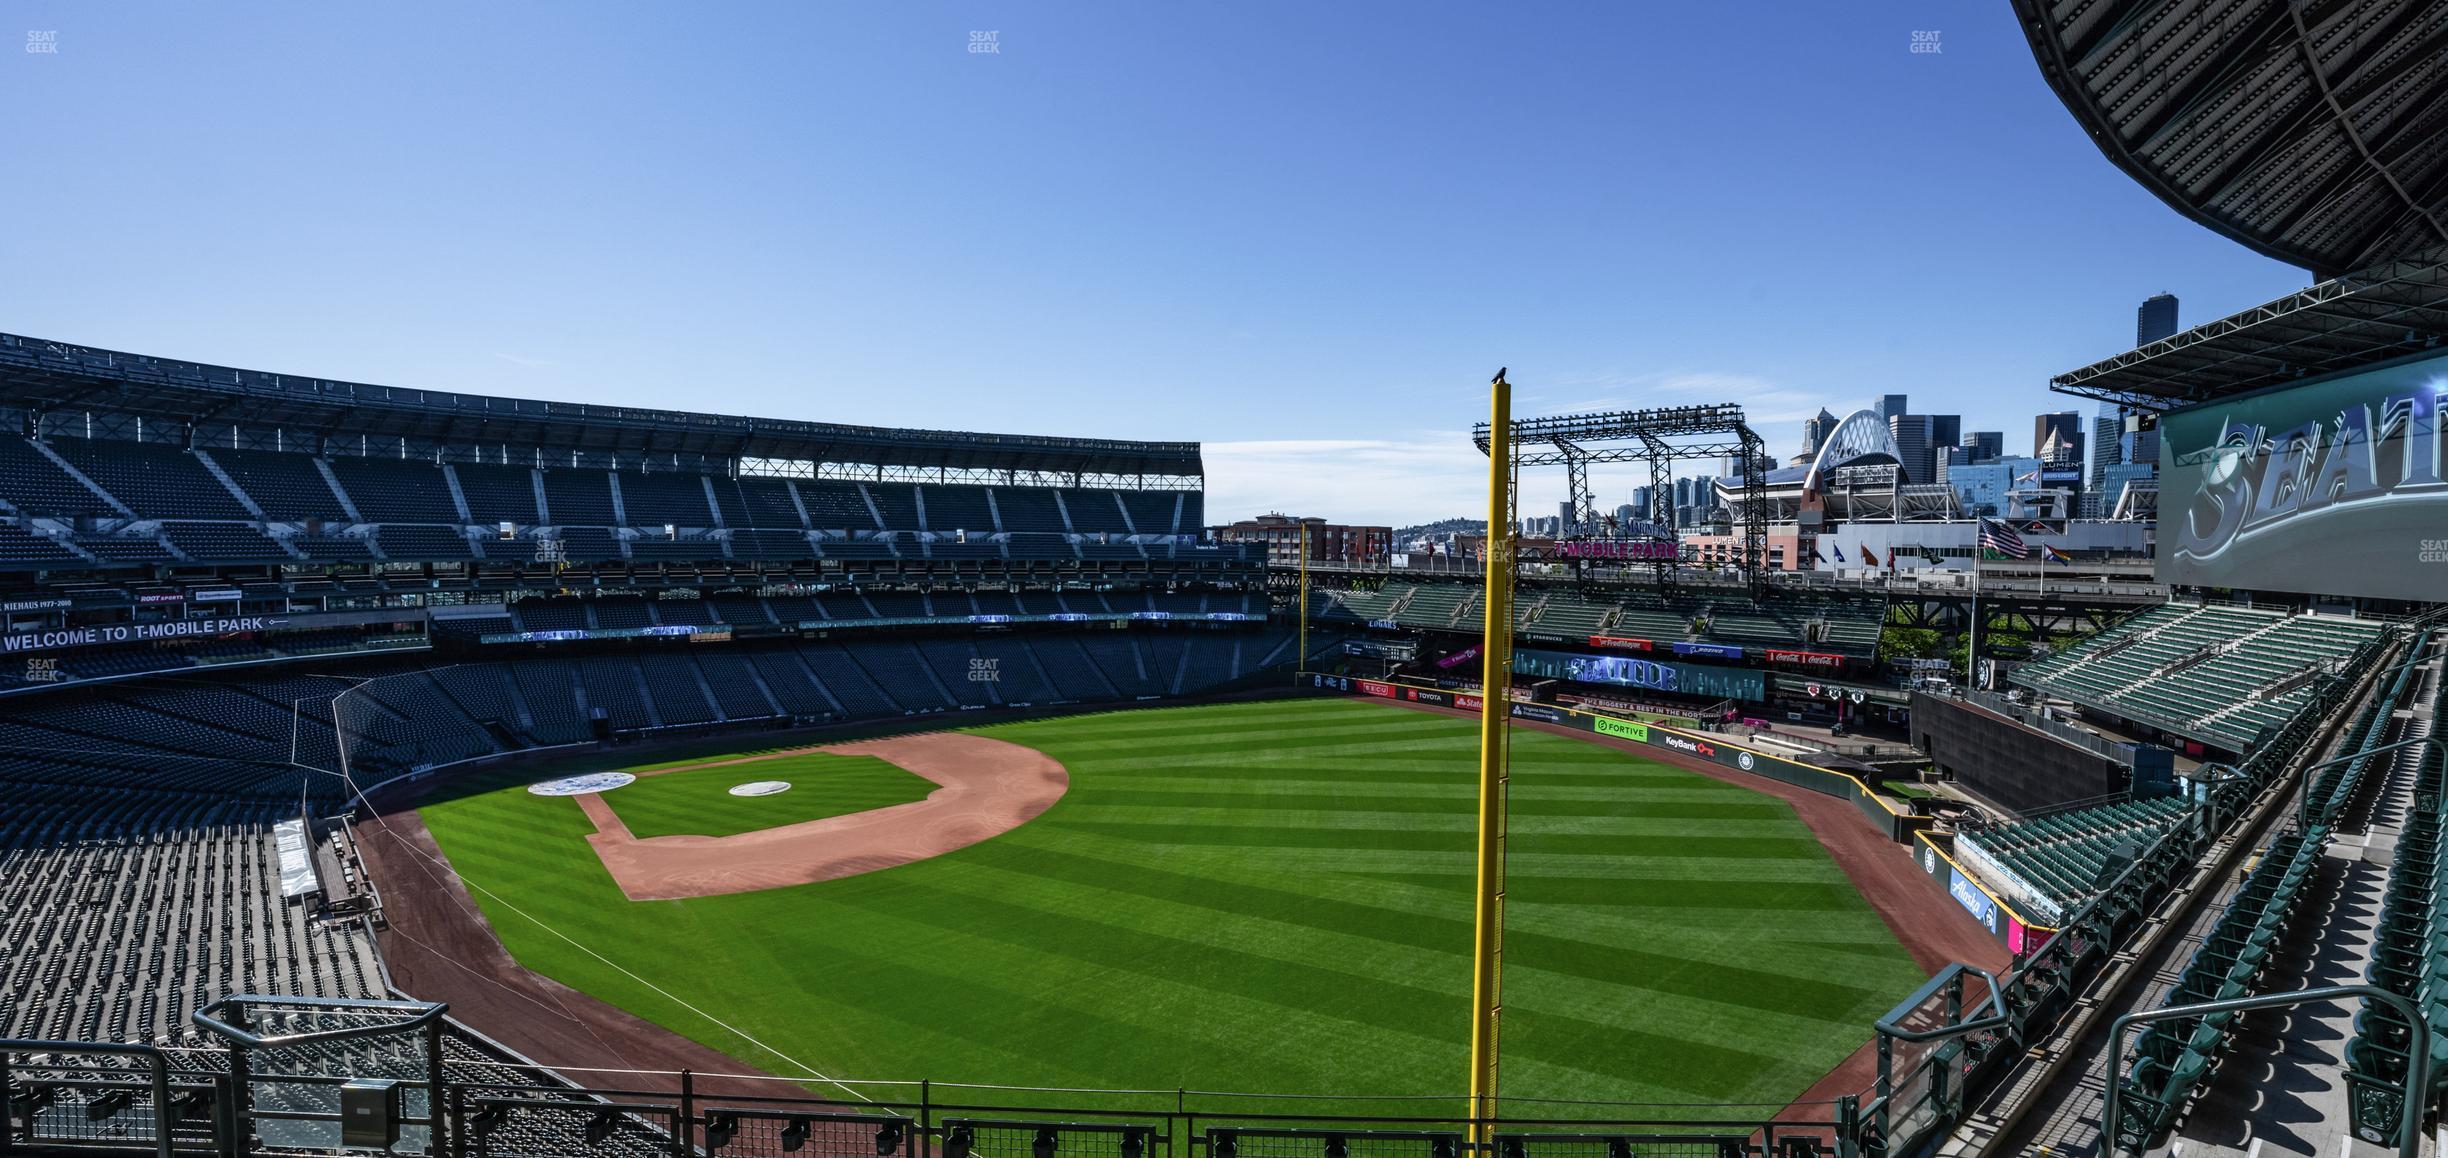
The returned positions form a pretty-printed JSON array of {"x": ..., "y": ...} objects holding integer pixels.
[
  {"x": 2314, "y": 131},
  {"x": 2395, "y": 308},
  {"x": 45, "y": 376}
]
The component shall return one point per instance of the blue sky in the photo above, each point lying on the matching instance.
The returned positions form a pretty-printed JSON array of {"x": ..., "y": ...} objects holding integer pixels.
[{"x": 1302, "y": 233}]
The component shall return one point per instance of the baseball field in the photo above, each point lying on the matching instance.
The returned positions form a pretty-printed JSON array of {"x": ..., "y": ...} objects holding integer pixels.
[{"x": 1263, "y": 897}]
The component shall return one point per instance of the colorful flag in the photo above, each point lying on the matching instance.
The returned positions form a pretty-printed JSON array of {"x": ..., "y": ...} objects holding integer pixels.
[
  {"x": 1868, "y": 558},
  {"x": 1839, "y": 552},
  {"x": 2053, "y": 555}
]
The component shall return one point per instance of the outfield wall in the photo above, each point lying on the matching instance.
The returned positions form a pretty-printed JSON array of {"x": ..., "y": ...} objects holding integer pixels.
[{"x": 2003, "y": 923}]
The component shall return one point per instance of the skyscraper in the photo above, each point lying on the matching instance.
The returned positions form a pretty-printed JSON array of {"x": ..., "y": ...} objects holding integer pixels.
[
  {"x": 1915, "y": 438},
  {"x": 2155, "y": 320},
  {"x": 2106, "y": 426},
  {"x": 1815, "y": 431},
  {"x": 1945, "y": 430},
  {"x": 2066, "y": 425},
  {"x": 1983, "y": 446},
  {"x": 1889, "y": 406}
]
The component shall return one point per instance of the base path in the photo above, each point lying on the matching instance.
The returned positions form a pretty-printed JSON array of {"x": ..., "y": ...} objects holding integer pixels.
[{"x": 987, "y": 788}]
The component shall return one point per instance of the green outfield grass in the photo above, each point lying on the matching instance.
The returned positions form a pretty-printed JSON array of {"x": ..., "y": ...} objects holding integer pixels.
[
  {"x": 1267, "y": 896},
  {"x": 698, "y": 801}
]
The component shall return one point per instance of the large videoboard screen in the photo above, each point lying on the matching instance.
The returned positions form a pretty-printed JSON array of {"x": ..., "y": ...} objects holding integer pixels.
[{"x": 2333, "y": 487}]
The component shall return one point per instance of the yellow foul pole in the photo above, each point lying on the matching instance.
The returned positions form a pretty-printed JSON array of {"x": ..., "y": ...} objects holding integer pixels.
[
  {"x": 1300, "y": 661},
  {"x": 1495, "y": 715}
]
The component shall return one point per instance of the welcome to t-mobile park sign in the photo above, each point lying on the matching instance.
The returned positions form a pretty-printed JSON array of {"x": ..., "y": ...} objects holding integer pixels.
[{"x": 105, "y": 634}]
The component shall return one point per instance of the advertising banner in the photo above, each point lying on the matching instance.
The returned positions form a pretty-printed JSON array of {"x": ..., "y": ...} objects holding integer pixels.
[
  {"x": 103, "y": 635},
  {"x": 1622, "y": 729},
  {"x": 1655, "y": 675},
  {"x": 1709, "y": 650},
  {"x": 1459, "y": 658},
  {"x": 1620, "y": 643},
  {"x": 1806, "y": 658},
  {"x": 2335, "y": 487}
]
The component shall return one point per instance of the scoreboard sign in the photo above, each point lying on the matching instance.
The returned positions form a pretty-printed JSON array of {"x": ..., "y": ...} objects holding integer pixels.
[{"x": 2332, "y": 487}]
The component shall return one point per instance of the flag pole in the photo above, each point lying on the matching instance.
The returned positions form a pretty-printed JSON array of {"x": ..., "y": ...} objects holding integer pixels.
[
  {"x": 1972, "y": 649},
  {"x": 1495, "y": 715}
]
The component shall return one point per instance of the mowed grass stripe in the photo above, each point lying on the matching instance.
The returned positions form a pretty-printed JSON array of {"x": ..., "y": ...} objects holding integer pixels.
[{"x": 1268, "y": 896}]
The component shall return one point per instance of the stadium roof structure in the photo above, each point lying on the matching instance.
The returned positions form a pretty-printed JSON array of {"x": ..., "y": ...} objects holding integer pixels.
[
  {"x": 2313, "y": 131},
  {"x": 44, "y": 376},
  {"x": 2390, "y": 310}
]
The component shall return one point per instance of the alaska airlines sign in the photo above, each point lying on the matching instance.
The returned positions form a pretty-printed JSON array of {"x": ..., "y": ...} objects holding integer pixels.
[{"x": 2335, "y": 487}]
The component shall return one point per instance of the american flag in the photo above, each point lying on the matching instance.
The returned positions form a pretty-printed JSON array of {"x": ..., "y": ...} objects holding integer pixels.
[{"x": 1998, "y": 537}]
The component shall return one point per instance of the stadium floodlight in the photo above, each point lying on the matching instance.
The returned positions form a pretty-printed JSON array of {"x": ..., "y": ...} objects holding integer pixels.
[
  {"x": 888, "y": 1138},
  {"x": 959, "y": 1141},
  {"x": 1045, "y": 1143}
]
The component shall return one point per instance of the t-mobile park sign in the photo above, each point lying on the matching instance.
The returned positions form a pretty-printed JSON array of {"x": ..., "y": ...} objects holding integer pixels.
[{"x": 106, "y": 634}]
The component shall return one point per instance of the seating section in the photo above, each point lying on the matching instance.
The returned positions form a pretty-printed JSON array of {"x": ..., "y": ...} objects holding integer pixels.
[
  {"x": 125, "y": 911},
  {"x": 2175, "y": 1058},
  {"x": 765, "y": 515},
  {"x": 654, "y": 500},
  {"x": 1840, "y": 625},
  {"x": 2410, "y": 945},
  {"x": 2056, "y": 862},
  {"x": 498, "y": 494},
  {"x": 35, "y": 485},
  {"x": 287, "y": 487},
  {"x": 579, "y": 497},
  {"x": 155, "y": 480},
  {"x": 225, "y": 543},
  {"x": 23, "y": 550},
  {"x": 396, "y": 490},
  {"x": 2219, "y": 675}
]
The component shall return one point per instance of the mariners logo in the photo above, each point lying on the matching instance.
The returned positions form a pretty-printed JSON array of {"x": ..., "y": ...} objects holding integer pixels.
[{"x": 1744, "y": 760}]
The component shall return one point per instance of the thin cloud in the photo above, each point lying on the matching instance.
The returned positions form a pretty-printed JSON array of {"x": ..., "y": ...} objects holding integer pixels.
[{"x": 1372, "y": 481}]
